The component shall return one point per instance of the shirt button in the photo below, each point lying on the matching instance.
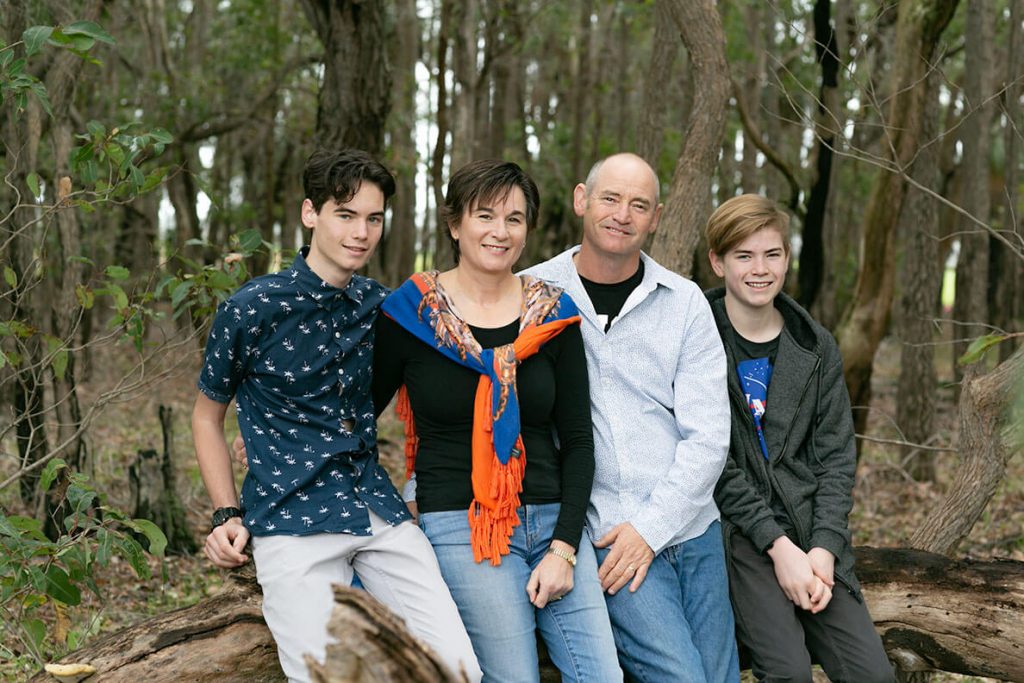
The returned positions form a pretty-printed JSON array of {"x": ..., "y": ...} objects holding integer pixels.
[{"x": 337, "y": 335}]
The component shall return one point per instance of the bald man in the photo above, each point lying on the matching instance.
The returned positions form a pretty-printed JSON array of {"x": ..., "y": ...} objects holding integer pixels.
[{"x": 661, "y": 433}]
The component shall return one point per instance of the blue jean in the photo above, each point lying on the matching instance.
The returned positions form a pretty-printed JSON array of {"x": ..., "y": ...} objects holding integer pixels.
[
  {"x": 496, "y": 610},
  {"x": 678, "y": 626}
]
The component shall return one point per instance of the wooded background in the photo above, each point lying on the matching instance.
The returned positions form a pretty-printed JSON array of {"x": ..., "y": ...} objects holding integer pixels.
[{"x": 143, "y": 140}]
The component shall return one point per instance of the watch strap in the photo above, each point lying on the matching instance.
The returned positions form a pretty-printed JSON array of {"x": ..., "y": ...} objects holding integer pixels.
[
  {"x": 564, "y": 554},
  {"x": 222, "y": 515}
]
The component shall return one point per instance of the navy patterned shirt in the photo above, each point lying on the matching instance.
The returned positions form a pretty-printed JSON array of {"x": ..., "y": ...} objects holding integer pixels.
[{"x": 295, "y": 353}]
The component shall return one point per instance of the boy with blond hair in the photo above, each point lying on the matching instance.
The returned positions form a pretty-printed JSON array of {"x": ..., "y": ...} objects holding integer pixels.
[{"x": 786, "y": 490}]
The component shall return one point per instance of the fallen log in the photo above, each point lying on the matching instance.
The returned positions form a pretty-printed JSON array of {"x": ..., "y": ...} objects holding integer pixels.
[{"x": 962, "y": 616}]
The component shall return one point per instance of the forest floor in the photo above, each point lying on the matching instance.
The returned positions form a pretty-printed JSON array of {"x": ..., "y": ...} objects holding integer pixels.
[{"x": 889, "y": 506}]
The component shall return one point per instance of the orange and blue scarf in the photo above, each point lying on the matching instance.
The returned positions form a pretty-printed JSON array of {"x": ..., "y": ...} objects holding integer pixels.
[{"x": 422, "y": 307}]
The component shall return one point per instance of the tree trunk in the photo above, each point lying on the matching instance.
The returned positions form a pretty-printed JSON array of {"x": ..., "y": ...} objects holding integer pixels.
[
  {"x": 919, "y": 26},
  {"x": 756, "y": 16},
  {"x": 919, "y": 282},
  {"x": 812, "y": 256},
  {"x": 154, "y": 491},
  {"x": 442, "y": 250},
  {"x": 688, "y": 202},
  {"x": 355, "y": 61},
  {"x": 464, "y": 71},
  {"x": 965, "y": 616},
  {"x": 1009, "y": 299},
  {"x": 970, "y": 310},
  {"x": 395, "y": 257},
  {"x": 986, "y": 440},
  {"x": 664, "y": 49}
]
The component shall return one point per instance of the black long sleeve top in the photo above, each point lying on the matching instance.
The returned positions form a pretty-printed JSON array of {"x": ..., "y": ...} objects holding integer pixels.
[{"x": 554, "y": 403}]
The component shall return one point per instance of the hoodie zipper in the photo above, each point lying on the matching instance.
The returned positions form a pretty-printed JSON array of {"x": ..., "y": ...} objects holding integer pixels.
[{"x": 785, "y": 446}]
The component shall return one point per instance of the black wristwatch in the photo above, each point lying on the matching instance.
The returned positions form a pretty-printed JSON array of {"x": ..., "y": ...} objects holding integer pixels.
[{"x": 221, "y": 515}]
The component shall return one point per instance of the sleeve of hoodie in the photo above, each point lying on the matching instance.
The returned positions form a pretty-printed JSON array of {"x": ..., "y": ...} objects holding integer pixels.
[{"x": 834, "y": 460}]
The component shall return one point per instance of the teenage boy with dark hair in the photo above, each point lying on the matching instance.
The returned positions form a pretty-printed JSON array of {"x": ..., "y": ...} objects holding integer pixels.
[
  {"x": 787, "y": 487},
  {"x": 294, "y": 350}
]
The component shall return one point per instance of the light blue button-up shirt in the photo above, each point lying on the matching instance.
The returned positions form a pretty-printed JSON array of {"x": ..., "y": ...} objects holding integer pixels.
[{"x": 659, "y": 403}]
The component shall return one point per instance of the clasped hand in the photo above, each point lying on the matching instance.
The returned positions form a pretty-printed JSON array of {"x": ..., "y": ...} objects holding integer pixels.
[{"x": 806, "y": 578}]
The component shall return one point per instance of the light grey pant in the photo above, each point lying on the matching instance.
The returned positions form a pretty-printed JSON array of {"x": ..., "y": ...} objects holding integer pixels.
[{"x": 396, "y": 565}]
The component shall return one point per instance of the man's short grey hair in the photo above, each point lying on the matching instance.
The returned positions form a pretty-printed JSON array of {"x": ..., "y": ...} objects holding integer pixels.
[{"x": 596, "y": 168}]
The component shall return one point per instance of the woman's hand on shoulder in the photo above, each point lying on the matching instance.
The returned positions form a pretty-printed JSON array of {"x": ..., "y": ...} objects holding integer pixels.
[{"x": 552, "y": 578}]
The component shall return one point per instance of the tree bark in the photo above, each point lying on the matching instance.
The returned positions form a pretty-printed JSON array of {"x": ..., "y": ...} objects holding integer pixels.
[
  {"x": 396, "y": 255},
  {"x": 373, "y": 645},
  {"x": 664, "y": 49},
  {"x": 986, "y": 440},
  {"x": 355, "y": 61},
  {"x": 154, "y": 491},
  {"x": 919, "y": 282},
  {"x": 689, "y": 198},
  {"x": 1009, "y": 299},
  {"x": 932, "y": 612},
  {"x": 970, "y": 309},
  {"x": 812, "y": 256},
  {"x": 966, "y": 617},
  {"x": 919, "y": 27}
]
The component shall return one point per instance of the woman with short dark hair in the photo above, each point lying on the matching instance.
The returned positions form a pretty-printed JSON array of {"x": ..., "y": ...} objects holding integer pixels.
[{"x": 493, "y": 371}]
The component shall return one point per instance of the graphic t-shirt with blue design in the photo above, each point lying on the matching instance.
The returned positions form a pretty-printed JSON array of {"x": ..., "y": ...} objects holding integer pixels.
[{"x": 754, "y": 363}]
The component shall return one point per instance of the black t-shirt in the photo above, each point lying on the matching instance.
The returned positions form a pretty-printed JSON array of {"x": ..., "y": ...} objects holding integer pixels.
[
  {"x": 608, "y": 299},
  {"x": 554, "y": 399},
  {"x": 744, "y": 349}
]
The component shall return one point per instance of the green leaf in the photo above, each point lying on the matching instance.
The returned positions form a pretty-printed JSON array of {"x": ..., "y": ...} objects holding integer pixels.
[
  {"x": 59, "y": 586},
  {"x": 34, "y": 38},
  {"x": 180, "y": 292},
  {"x": 86, "y": 297},
  {"x": 117, "y": 272},
  {"x": 976, "y": 351},
  {"x": 6, "y": 56},
  {"x": 80, "y": 497},
  {"x": 120, "y": 298},
  {"x": 32, "y": 180},
  {"x": 90, "y": 29},
  {"x": 10, "y": 277},
  {"x": 154, "y": 179},
  {"x": 104, "y": 546},
  {"x": 49, "y": 473},
  {"x": 130, "y": 550},
  {"x": 137, "y": 176},
  {"x": 249, "y": 241},
  {"x": 153, "y": 533},
  {"x": 36, "y": 631},
  {"x": 44, "y": 100},
  {"x": 96, "y": 129},
  {"x": 25, "y": 527},
  {"x": 60, "y": 355},
  {"x": 161, "y": 136}
]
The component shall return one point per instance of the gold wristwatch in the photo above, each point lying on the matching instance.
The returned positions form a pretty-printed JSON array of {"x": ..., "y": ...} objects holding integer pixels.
[{"x": 565, "y": 555}]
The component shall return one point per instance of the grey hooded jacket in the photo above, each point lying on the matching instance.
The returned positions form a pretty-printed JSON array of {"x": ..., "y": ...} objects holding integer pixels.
[{"x": 809, "y": 432}]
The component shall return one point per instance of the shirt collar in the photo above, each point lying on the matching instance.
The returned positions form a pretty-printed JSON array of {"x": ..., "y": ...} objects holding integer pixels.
[
  {"x": 320, "y": 290},
  {"x": 654, "y": 273}
]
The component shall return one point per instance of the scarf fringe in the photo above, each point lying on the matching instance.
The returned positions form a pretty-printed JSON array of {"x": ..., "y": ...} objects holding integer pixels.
[
  {"x": 491, "y": 528},
  {"x": 403, "y": 409}
]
